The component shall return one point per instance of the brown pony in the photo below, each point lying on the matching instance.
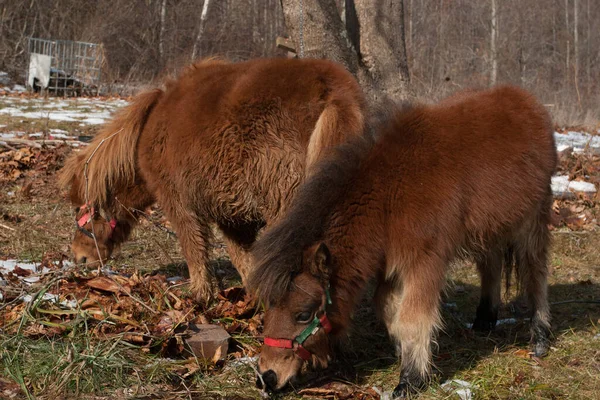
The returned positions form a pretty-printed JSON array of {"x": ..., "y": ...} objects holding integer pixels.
[
  {"x": 224, "y": 144},
  {"x": 467, "y": 177}
]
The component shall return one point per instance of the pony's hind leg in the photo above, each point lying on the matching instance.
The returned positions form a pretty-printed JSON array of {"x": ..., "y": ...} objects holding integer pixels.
[
  {"x": 489, "y": 266},
  {"x": 411, "y": 311},
  {"x": 531, "y": 249}
]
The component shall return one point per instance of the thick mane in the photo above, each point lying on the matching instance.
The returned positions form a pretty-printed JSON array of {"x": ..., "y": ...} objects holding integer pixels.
[
  {"x": 112, "y": 163},
  {"x": 278, "y": 253}
]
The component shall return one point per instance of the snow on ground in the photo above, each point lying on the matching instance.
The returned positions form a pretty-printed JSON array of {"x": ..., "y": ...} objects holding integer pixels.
[
  {"x": 578, "y": 141},
  {"x": 562, "y": 185},
  {"x": 86, "y": 111},
  {"x": 35, "y": 271}
]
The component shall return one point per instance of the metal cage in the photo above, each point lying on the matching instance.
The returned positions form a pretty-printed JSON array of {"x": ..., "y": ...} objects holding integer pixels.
[{"x": 69, "y": 68}]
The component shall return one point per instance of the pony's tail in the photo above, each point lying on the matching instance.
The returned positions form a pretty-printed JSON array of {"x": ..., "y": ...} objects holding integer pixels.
[
  {"x": 111, "y": 156},
  {"x": 341, "y": 119}
]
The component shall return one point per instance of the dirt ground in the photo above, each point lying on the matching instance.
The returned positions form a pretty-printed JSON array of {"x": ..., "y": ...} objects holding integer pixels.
[{"x": 119, "y": 331}]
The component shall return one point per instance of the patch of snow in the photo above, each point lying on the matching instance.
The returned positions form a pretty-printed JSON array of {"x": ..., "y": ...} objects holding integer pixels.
[
  {"x": 460, "y": 387},
  {"x": 10, "y": 265},
  {"x": 577, "y": 140},
  {"x": 19, "y": 88},
  {"x": 53, "y": 136},
  {"x": 90, "y": 118},
  {"x": 242, "y": 361},
  {"x": 579, "y": 186},
  {"x": 87, "y": 112},
  {"x": 174, "y": 279},
  {"x": 53, "y": 298},
  {"x": 561, "y": 185}
]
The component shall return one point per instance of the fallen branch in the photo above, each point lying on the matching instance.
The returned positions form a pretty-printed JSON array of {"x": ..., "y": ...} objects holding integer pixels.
[
  {"x": 3, "y": 143},
  {"x": 7, "y": 227}
]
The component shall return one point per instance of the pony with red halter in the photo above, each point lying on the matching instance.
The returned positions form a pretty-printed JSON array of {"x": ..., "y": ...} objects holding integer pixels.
[
  {"x": 225, "y": 144},
  {"x": 469, "y": 177}
]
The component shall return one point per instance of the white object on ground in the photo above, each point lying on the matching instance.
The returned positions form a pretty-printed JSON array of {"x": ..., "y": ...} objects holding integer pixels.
[
  {"x": 577, "y": 140},
  {"x": 460, "y": 387},
  {"x": 562, "y": 185}
]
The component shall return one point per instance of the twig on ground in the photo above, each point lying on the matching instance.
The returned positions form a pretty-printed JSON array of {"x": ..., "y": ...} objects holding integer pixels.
[
  {"x": 7, "y": 227},
  {"x": 3, "y": 143}
]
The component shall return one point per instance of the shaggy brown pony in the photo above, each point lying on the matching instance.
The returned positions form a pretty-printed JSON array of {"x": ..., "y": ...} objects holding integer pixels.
[
  {"x": 467, "y": 177},
  {"x": 225, "y": 143}
]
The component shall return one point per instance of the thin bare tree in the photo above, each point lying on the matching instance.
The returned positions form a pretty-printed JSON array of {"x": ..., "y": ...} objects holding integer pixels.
[
  {"x": 201, "y": 25},
  {"x": 493, "y": 48},
  {"x": 161, "y": 34}
]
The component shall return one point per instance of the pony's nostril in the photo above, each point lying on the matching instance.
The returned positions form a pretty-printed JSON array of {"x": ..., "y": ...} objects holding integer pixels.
[
  {"x": 82, "y": 260},
  {"x": 270, "y": 379}
]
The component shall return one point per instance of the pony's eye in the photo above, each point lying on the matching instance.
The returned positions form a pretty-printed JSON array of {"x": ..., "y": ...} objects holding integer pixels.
[{"x": 304, "y": 317}]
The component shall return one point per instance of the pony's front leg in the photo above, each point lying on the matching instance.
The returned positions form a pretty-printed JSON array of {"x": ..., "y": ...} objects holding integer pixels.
[
  {"x": 412, "y": 314},
  {"x": 194, "y": 238}
]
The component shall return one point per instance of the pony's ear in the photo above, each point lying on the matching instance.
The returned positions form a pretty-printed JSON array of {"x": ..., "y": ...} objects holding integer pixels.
[{"x": 320, "y": 262}]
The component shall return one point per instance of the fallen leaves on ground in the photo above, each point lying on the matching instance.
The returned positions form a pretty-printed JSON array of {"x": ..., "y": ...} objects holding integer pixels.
[
  {"x": 148, "y": 311},
  {"x": 340, "y": 391}
]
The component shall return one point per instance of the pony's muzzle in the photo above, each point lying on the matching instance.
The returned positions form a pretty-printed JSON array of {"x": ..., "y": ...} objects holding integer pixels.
[
  {"x": 270, "y": 381},
  {"x": 81, "y": 260}
]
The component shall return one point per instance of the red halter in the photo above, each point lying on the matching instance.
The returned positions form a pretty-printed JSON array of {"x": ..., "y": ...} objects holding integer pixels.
[
  {"x": 296, "y": 343},
  {"x": 88, "y": 216}
]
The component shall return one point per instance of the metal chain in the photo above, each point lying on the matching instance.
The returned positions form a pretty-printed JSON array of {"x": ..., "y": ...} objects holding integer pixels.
[{"x": 301, "y": 55}]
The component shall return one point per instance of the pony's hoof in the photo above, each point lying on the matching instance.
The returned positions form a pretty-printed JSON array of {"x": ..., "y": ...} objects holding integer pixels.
[
  {"x": 402, "y": 391},
  {"x": 541, "y": 338},
  {"x": 203, "y": 294},
  {"x": 541, "y": 348},
  {"x": 406, "y": 388}
]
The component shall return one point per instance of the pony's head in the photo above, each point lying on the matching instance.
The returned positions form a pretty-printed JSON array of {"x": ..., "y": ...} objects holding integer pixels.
[
  {"x": 296, "y": 324},
  {"x": 91, "y": 221},
  {"x": 92, "y": 224}
]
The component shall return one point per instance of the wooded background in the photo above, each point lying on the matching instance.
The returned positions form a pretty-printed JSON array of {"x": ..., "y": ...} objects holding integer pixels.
[{"x": 551, "y": 47}]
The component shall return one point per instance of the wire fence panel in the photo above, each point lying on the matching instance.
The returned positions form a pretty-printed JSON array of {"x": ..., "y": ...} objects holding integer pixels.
[{"x": 64, "y": 67}]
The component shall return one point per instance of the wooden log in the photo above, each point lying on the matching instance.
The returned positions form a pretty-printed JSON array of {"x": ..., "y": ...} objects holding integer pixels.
[{"x": 208, "y": 341}]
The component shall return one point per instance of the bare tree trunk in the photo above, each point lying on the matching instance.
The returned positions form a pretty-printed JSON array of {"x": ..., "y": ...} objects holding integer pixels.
[
  {"x": 317, "y": 26},
  {"x": 575, "y": 41},
  {"x": 382, "y": 45},
  {"x": 203, "y": 15},
  {"x": 588, "y": 52},
  {"x": 161, "y": 35},
  {"x": 568, "y": 61},
  {"x": 494, "y": 51}
]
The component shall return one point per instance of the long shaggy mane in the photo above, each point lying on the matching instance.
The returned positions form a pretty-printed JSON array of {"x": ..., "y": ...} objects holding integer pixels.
[{"x": 278, "y": 253}]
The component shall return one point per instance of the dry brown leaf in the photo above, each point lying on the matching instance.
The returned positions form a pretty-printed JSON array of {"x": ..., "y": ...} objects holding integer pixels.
[
  {"x": 106, "y": 284},
  {"x": 21, "y": 272},
  {"x": 522, "y": 353}
]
